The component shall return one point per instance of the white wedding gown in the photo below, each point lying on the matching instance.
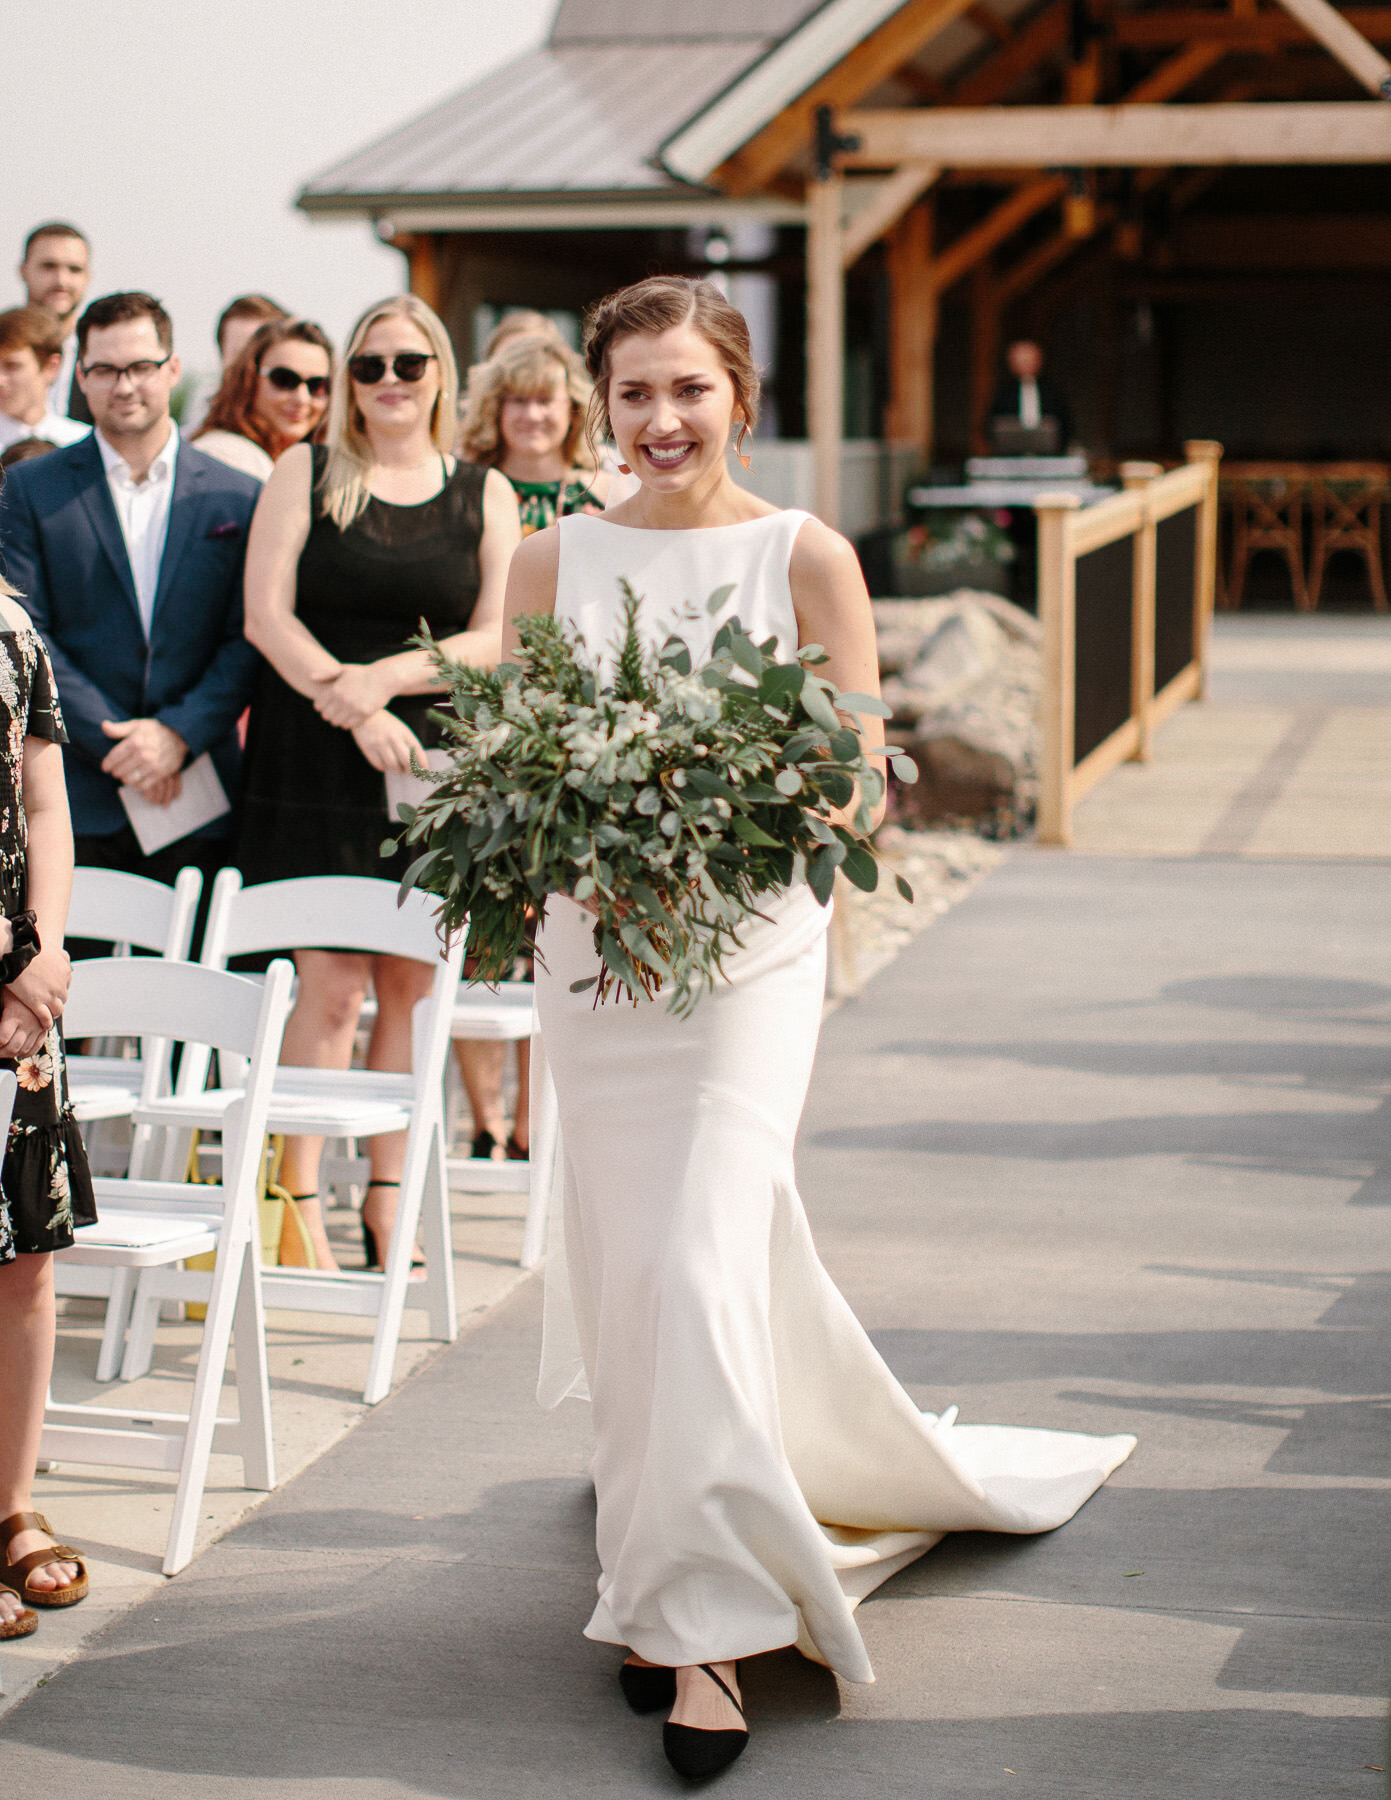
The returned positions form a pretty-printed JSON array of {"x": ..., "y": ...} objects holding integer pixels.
[{"x": 758, "y": 1467}]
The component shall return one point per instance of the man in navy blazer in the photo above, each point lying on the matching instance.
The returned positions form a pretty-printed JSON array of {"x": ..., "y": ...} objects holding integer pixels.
[{"x": 127, "y": 550}]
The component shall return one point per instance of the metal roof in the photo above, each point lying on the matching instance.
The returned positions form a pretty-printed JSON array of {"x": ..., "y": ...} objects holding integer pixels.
[{"x": 675, "y": 21}]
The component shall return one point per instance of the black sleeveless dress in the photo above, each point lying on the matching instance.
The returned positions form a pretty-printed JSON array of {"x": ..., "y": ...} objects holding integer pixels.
[{"x": 311, "y": 802}]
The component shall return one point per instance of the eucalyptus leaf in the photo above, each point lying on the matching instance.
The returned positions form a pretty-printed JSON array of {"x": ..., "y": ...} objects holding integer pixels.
[
  {"x": 904, "y": 889},
  {"x": 718, "y": 598},
  {"x": 861, "y": 868},
  {"x": 905, "y": 769},
  {"x": 868, "y": 704}
]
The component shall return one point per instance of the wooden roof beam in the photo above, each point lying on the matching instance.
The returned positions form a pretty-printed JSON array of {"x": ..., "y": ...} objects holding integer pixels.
[
  {"x": 1170, "y": 78},
  {"x": 1126, "y": 136},
  {"x": 874, "y": 60},
  {"x": 1043, "y": 36},
  {"x": 1344, "y": 42},
  {"x": 900, "y": 191},
  {"x": 1239, "y": 31},
  {"x": 998, "y": 224}
]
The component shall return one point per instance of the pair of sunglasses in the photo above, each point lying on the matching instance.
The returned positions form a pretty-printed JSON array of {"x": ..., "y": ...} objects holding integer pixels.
[
  {"x": 289, "y": 382},
  {"x": 406, "y": 365}
]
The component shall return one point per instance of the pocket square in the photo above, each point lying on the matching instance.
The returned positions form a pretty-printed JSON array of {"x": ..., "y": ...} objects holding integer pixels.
[{"x": 228, "y": 529}]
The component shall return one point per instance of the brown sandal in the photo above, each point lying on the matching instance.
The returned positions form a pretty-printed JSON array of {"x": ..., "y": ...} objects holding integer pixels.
[
  {"x": 26, "y": 1623},
  {"x": 15, "y": 1575}
]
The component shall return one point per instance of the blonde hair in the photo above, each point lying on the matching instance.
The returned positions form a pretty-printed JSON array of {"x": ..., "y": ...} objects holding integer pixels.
[
  {"x": 522, "y": 322},
  {"x": 658, "y": 304},
  {"x": 523, "y": 368},
  {"x": 344, "y": 483}
]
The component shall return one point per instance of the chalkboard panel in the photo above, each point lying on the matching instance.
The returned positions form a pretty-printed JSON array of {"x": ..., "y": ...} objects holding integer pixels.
[
  {"x": 1175, "y": 572},
  {"x": 1102, "y": 659}
]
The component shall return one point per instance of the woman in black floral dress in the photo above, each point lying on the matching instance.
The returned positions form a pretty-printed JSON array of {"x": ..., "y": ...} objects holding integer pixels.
[{"x": 45, "y": 1187}]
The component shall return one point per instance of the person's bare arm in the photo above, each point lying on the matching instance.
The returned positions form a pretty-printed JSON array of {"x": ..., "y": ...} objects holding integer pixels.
[
  {"x": 531, "y": 584},
  {"x": 279, "y": 531},
  {"x": 43, "y": 987},
  {"x": 358, "y": 690},
  {"x": 833, "y": 610}
]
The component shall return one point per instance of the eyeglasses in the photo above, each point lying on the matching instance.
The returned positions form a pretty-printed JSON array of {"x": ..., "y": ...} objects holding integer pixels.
[
  {"x": 289, "y": 382},
  {"x": 107, "y": 374},
  {"x": 406, "y": 365}
]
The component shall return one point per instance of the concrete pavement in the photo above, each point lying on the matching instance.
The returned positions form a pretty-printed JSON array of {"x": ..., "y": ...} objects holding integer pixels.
[
  {"x": 1105, "y": 1149},
  {"x": 1108, "y": 1149}
]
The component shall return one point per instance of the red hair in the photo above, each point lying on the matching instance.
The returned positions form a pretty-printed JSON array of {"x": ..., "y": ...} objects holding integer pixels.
[{"x": 233, "y": 406}]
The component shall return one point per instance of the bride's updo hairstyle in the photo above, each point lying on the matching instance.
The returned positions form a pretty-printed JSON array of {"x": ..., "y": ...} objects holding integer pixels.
[{"x": 662, "y": 303}]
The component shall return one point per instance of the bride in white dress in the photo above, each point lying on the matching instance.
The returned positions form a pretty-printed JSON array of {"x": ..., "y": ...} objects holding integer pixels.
[{"x": 758, "y": 1468}]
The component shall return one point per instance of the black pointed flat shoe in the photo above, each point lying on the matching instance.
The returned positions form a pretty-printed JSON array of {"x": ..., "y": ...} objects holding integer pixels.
[
  {"x": 696, "y": 1754},
  {"x": 647, "y": 1690}
]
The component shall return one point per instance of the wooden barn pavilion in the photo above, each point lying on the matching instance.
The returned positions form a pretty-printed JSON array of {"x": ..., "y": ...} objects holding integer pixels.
[{"x": 1188, "y": 204}]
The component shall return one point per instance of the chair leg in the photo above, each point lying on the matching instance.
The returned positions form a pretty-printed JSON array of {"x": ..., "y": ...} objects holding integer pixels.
[
  {"x": 1318, "y": 564},
  {"x": 395, "y": 1277},
  {"x": 1376, "y": 578},
  {"x": 118, "y": 1313},
  {"x": 436, "y": 1232},
  {"x": 140, "y": 1339},
  {"x": 254, "y": 1437},
  {"x": 202, "y": 1415}
]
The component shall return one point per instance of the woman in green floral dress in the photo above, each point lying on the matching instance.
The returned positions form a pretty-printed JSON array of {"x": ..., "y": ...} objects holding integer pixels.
[
  {"x": 524, "y": 414},
  {"x": 45, "y": 1186}
]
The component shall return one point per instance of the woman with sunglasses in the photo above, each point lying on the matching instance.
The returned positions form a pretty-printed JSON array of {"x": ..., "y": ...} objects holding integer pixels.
[
  {"x": 353, "y": 544},
  {"x": 274, "y": 394}
]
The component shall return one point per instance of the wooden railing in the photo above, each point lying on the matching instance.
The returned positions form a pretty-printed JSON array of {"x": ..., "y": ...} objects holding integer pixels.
[{"x": 1125, "y": 596}]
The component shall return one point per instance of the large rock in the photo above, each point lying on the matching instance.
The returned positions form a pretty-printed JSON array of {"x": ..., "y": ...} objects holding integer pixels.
[{"x": 962, "y": 675}]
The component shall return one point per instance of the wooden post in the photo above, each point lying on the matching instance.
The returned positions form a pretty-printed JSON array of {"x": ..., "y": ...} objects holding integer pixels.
[
  {"x": 422, "y": 257},
  {"x": 825, "y": 341},
  {"x": 912, "y": 332},
  {"x": 1205, "y": 450},
  {"x": 985, "y": 350},
  {"x": 1140, "y": 475},
  {"x": 1057, "y": 615}
]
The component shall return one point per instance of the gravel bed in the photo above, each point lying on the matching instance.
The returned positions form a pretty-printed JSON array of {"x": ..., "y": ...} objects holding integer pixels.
[{"x": 940, "y": 866}]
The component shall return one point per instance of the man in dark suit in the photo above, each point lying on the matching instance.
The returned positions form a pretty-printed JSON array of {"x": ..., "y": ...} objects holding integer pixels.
[
  {"x": 55, "y": 272},
  {"x": 1027, "y": 398},
  {"x": 127, "y": 551}
]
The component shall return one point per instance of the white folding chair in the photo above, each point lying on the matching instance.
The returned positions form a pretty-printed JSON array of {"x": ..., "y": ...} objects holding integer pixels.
[
  {"x": 359, "y": 914},
  {"x": 151, "y": 1226},
  {"x": 136, "y": 914}
]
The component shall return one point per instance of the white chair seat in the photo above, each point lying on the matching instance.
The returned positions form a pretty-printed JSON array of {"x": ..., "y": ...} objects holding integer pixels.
[
  {"x": 101, "y": 1098},
  {"x": 321, "y": 1102},
  {"x": 137, "y": 1240}
]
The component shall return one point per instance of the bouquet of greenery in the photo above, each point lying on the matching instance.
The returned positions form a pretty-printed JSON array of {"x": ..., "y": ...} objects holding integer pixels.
[{"x": 671, "y": 800}]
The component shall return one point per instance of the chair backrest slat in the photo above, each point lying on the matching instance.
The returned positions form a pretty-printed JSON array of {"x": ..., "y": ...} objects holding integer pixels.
[
  {"x": 115, "y": 907},
  {"x": 316, "y": 913}
]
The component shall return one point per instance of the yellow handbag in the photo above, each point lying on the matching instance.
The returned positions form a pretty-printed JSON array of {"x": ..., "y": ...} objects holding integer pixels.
[{"x": 271, "y": 1203}]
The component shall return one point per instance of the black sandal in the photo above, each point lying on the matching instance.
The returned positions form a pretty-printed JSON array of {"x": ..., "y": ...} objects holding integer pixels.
[
  {"x": 698, "y": 1754},
  {"x": 369, "y": 1237}
]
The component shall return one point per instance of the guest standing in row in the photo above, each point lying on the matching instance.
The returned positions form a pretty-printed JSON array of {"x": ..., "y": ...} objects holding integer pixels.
[
  {"x": 45, "y": 1188},
  {"x": 127, "y": 551},
  {"x": 275, "y": 394},
  {"x": 525, "y": 414},
  {"x": 31, "y": 352},
  {"x": 237, "y": 324},
  {"x": 354, "y": 543},
  {"x": 55, "y": 272}
]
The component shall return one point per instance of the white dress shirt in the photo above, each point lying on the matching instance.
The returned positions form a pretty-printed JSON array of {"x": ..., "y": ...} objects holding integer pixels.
[
  {"x": 143, "y": 510},
  {"x": 1030, "y": 405},
  {"x": 52, "y": 426}
]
